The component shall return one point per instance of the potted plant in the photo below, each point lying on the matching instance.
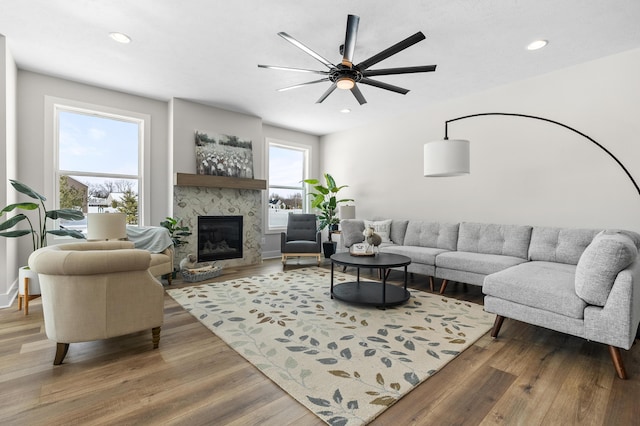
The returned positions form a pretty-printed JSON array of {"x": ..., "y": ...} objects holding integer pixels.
[
  {"x": 39, "y": 234},
  {"x": 177, "y": 234},
  {"x": 325, "y": 200}
]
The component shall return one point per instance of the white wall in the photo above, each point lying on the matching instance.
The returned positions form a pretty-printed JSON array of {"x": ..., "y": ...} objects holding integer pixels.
[
  {"x": 523, "y": 171},
  {"x": 33, "y": 164},
  {"x": 8, "y": 141}
]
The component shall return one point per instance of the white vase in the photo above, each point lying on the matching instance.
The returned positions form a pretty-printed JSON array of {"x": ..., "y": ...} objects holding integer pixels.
[{"x": 34, "y": 282}]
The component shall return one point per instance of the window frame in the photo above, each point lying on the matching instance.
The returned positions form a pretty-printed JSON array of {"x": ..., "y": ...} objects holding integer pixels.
[
  {"x": 307, "y": 150},
  {"x": 54, "y": 105}
]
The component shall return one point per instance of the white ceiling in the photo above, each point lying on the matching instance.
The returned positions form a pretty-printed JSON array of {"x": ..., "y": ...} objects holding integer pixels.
[{"x": 207, "y": 51}]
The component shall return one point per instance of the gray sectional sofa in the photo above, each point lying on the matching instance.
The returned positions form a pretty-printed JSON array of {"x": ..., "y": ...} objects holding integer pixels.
[{"x": 582, "y": 282}]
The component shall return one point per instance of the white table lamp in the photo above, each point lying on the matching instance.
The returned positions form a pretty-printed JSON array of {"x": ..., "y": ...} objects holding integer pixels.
[{"x": 106, "y": 226}]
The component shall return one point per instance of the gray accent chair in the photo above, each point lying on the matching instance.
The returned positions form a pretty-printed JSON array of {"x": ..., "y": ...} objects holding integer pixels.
[{"x": 301, "y": 239}]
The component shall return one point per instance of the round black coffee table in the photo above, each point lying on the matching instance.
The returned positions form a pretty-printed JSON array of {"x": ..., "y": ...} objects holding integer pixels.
[{"x": 377, "y": 293}]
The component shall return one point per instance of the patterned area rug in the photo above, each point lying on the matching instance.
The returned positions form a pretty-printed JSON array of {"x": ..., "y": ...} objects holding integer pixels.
[{"x": 345, "y": 363}]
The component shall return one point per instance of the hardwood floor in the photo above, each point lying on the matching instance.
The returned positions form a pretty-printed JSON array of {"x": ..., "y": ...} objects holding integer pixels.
[{"x": 528, "y": 376}]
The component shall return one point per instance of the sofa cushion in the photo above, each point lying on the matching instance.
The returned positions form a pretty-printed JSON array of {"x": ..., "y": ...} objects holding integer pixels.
[
  {"x": 600, "y": 263},
  {"x": 479, "y": 263},
  {"x": 563, "y": 245},
  {"x": 424, "y": 255},
  {"x": 351, "y": 231},
  {"x": 432, "y": 234},
  {"x": 507, "y": 240},
  {"x": 380, "y": 227},
  {"x": 398, "y": 231},
  {"x": 547, "y": 286}
]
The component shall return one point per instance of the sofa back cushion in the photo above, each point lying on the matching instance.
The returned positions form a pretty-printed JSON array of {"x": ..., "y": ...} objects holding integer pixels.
[
  {"x": 351, "y": 231},
  {"x": 432, "y": 234},
  {"x": 562, "y": 245},
  {"x": 506, "y": 240},
  {"x": 602, "y": 260},
  {"x": 398, "y": 231}
]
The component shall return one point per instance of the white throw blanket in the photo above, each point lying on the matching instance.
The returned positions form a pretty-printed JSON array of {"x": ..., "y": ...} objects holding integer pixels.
[{"x": 155, "y": 239}]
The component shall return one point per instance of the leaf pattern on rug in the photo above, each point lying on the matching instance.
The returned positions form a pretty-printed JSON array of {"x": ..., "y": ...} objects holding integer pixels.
[{"x": 346, "y": 363}]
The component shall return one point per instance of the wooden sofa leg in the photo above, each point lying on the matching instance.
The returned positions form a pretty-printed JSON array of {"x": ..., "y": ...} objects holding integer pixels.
[
  {"x": 443, "y": 286},
  {"x": 616, "y": 357},
  {"x": 496, "y": 326},
  {"x": 155, "y": 337},
  {"x": 61, "y": 352},
  {"x": 431, "y": 284}
]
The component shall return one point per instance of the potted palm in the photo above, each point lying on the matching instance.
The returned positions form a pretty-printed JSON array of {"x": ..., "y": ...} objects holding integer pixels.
[
  {"x": 39, "y": 233},
  {"x": 325, "y": 200},
  {"x": 177, "y": 233}
]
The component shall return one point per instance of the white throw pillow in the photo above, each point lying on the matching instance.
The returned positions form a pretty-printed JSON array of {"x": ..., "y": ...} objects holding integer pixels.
[{"x": 381, "y": 227}]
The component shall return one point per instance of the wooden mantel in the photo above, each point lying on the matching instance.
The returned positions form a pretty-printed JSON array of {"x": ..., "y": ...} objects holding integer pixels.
[{"x": 187, "y": 179}]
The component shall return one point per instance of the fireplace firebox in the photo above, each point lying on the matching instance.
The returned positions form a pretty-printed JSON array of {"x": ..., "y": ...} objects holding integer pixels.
[{"x": 219, "y": 237}]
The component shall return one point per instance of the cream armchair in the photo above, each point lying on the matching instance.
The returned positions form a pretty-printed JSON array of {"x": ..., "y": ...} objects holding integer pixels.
[{"x": 97, "y": 290}]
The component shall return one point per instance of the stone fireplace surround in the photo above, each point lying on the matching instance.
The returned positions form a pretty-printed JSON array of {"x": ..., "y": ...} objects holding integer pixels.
[{"x": 191, "y": 200}]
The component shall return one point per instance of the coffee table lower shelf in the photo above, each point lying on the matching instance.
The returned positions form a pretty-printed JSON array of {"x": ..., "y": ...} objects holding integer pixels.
[{"x": 370, "y": 293}]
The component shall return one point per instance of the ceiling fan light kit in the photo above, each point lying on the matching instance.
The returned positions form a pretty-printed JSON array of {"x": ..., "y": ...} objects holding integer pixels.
[{"x": 346, "y": 75}]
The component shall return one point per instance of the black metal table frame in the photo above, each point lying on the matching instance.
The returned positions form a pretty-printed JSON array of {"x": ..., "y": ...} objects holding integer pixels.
[{"x": 383, "y": 268}]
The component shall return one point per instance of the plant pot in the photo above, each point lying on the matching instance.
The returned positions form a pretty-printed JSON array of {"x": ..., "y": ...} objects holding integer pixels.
[
  {"x": 329, "y": 248},
  {"x": 34, "y": 282}
]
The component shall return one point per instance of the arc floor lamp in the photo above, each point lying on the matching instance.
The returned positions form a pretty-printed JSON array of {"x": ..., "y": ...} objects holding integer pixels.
[{"x": 451, "y": 157}]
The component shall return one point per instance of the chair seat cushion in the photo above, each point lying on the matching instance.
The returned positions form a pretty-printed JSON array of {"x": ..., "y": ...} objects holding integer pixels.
[
  {"x": 301, "y": 246},
  {"x": 547, "y": 286}
]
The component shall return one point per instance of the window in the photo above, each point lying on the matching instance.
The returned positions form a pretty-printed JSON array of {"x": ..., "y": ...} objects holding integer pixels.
[
  {"x": 288, "y": 166},
  {"x": 98, "y": 163}
]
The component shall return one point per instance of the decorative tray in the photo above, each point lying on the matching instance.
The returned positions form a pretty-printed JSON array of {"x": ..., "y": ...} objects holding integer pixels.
[{"x": 360, "y": 250}]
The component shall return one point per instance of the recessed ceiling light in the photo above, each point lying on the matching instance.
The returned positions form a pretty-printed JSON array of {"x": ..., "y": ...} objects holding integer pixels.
[
  {"x": 538, "y": 44},
  {"x": 120, "y": 37},
  {"x": 345, "y": 110}
]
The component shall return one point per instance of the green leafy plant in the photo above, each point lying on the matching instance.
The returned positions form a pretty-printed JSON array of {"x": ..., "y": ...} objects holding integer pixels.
[
  {"x": 39, "y": 234},
  {"x": 325, "y": 200},
  {"x": 177, "y": 232}
]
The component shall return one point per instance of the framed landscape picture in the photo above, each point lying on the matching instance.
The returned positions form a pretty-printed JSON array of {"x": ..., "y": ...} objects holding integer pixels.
[{"x": 223, "y": 155}]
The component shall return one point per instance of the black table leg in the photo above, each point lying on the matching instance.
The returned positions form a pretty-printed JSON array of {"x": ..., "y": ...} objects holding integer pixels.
[
  {"x": 384, "y": 289},
  {"x": 332, "y": 279}
]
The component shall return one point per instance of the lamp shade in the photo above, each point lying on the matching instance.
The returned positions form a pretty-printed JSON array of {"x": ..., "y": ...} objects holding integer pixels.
[
  {"x": 449, "y": 157},
  {"x": 106, "y": 226},
  {"x": 347, "y": 212}
]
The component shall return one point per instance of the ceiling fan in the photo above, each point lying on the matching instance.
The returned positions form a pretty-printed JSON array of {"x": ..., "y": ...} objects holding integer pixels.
[{"x": 346, "y": 74}]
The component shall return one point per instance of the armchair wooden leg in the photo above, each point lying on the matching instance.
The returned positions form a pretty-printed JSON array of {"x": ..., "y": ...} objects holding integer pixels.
[
  {"x": 155, "y": 337},
  {"x": 443, "y": 286},
  {"x": 496, "y": 326},
  {"x": 61, "y": 352},
  {"x": 616, "y": 357}
]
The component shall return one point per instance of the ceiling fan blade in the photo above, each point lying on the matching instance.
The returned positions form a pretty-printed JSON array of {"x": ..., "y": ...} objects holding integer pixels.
[
  {"x": 398, "y": 47},
  {"x": 350, "y": 39},
  {"x": 303, "y": 84},
  {"x": 382, "y": 85},
  {"x": 275, "y": 67},
  {"x": 358, "y": 94},
  {"x": 327, "y": 93},
  {"x": 301, "y": 46},
  {"x": 401, "y": 70}
]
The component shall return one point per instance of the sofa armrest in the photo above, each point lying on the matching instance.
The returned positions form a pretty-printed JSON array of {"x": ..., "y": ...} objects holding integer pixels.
[{"x": 617, "y": 322}]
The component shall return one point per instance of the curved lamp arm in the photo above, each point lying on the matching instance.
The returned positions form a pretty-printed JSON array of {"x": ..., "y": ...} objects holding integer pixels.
[{"x": 446, "y": 124}]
